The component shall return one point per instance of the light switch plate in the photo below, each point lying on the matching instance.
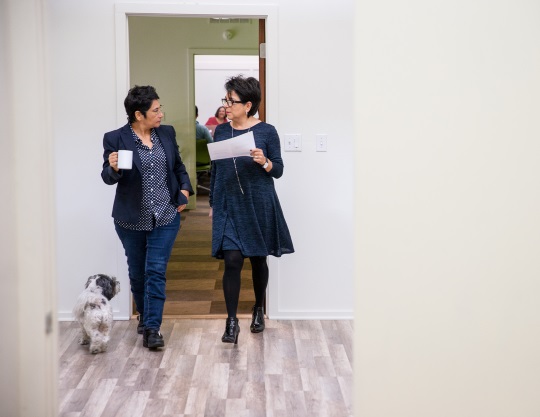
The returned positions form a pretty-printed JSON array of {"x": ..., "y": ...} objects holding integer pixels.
[
  {"x": 321, "y": 142},
  {"x": 293, "y": 142}
]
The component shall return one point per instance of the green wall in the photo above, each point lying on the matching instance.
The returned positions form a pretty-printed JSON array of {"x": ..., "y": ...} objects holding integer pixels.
[{"x": 161, "y": 53}]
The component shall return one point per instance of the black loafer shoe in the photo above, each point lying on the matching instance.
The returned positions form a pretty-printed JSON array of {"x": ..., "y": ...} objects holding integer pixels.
[
  {"x": 152, "y": 339},
  {"x": 140, "y": 325}
]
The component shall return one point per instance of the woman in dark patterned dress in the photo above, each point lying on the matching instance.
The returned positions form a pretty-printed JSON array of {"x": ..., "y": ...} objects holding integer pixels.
[{"x": 247, "y": 218}]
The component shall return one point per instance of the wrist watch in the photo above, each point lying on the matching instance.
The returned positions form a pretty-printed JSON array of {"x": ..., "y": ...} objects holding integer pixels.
[{"x": 265, "y": 164}]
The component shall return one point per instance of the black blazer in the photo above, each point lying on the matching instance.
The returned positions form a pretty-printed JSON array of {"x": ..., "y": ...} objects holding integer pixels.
[{"x": 128, "y": 199}]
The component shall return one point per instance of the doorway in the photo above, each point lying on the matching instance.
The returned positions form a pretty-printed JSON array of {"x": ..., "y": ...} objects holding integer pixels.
[{"x": 194, "y": 278}]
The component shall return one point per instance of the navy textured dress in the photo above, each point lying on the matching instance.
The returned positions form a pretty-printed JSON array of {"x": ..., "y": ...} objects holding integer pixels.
[{"x": 247, "y": 215}]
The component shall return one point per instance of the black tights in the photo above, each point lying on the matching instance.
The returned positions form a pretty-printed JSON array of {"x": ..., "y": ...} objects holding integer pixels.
[{"x": 234, "y": 261}]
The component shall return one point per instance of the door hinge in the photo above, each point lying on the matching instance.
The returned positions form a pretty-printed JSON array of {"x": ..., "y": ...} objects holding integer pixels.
[{"x": 262, "y": 51}]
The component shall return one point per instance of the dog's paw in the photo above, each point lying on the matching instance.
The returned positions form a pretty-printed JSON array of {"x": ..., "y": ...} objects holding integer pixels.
[
  {"x": 97, "y": 348},
  {"x": 83, "y": 341}
]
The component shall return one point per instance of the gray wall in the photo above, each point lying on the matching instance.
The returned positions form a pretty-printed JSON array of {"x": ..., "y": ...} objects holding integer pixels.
[{"x": 9, "y": 378}]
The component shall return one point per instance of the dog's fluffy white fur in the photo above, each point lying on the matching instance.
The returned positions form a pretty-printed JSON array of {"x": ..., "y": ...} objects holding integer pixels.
[{"x": 93, "y": 311}]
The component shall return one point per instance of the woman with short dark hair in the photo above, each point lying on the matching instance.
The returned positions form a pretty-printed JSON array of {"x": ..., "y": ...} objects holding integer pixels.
[
  {"x": 148, "y": 201},
  {"x": 247, "y": 218}
]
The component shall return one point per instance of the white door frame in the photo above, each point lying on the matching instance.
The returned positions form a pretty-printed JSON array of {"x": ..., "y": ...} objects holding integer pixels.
[{"x": 269, "y": 12}]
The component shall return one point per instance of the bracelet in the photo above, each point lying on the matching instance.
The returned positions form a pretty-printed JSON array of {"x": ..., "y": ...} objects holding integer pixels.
[{"x": 265, "y": 164}]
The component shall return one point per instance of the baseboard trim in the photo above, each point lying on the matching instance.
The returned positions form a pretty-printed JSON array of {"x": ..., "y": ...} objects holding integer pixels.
[
  {"x": 311, "y": 315},
  {"x": 68, "y": 316},
  {"x": 282, "y": 315}
]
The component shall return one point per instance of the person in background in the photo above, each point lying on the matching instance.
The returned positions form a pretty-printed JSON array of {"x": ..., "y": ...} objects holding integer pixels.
[
  {"x": 247, "y": 220},
  {"x": 148, "y": 201},
  {"x": 219, "y": 118},
  {"x": 201, "y": 132}
]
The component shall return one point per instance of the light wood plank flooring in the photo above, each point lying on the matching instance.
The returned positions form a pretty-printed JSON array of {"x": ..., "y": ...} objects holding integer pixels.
[{"x": 293, "y": 368}]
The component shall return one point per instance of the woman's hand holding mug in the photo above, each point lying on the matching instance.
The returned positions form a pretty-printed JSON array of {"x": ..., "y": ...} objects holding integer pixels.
[{"x": 113, "y": 161}]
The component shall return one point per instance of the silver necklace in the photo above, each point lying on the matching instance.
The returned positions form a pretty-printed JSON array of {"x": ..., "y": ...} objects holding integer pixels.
[{"x": 234, "y": 161}]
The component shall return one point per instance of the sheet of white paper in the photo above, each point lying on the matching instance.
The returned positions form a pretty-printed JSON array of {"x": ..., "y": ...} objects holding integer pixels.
[{"x": 237, "y": 146}]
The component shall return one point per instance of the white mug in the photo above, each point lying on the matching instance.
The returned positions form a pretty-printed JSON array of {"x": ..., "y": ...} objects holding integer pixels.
[{"x": 125, "y": 159}]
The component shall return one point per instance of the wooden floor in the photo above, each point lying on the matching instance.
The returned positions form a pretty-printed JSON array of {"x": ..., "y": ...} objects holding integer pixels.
[
  {"x": 293, "y": 368},
  {"x": 194, "y": 278}
]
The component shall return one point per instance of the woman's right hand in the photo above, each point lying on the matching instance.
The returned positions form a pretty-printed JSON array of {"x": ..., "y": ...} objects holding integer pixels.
[
  {"x": 211, "y": 212},
  {"x": 113, "y": 160}
]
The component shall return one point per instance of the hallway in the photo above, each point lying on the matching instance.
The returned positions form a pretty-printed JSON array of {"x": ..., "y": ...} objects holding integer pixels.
[{"x": 194, "y": 277}]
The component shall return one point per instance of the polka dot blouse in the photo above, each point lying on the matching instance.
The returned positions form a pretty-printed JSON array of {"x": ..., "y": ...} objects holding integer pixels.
[{"x": 156, "y": 208}]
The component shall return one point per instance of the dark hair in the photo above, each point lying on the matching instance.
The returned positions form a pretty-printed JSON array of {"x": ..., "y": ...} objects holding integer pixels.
[
  {"x": 248, "y": 89},
  {"x": 139, "y": 99},
  {"x": 218, "y": 109},
  {"x": 196, "y": 111}
]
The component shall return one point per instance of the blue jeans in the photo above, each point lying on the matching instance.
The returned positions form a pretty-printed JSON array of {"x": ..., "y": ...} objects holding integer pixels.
[{"x": 147, "y": 256}]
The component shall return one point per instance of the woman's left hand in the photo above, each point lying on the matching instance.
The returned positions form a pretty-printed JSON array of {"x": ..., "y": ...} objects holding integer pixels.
[
  {"x": 258, "y": 156},
  {"x": 182, "y": 207}
]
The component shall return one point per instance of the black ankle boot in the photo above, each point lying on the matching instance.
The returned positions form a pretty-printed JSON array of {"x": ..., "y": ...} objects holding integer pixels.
[
  {"x": 152, "y": 339},
  {"x": 140, "y": 325},
  {"x": 232, "y": 329},
  {"x": 257, "y": 320}
]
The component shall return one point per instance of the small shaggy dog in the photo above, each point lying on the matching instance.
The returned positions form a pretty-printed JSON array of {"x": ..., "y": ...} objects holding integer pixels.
[{"x": 94, "y": 312}]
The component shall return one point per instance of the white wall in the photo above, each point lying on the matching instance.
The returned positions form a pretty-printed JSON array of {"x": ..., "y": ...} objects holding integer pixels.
[
  {"x": 304, "y": 97},
  {"x": 447, "y": 313},
  {"x": 211, "y": 72},
  {"x": 448, "y": 226},
  {"x": 28, "y": 354},
  {"x": 84, "y": 105}
]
